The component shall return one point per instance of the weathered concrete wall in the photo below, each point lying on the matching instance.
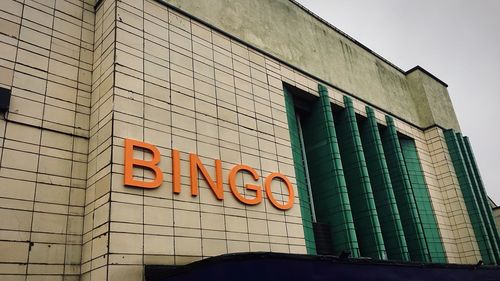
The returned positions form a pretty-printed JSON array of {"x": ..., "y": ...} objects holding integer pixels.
[
  {"x": 286, "y": 31},
  {"x": 432, "y": 102}
]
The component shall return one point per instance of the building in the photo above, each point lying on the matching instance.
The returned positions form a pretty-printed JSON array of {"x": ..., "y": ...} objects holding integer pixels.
[
  {"x": 164, "y": 132},
  {"x": 496, "y": 213}
]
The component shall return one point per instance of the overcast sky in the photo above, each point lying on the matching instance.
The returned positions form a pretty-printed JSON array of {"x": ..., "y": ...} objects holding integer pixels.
[{"x": 456, "y": 40}]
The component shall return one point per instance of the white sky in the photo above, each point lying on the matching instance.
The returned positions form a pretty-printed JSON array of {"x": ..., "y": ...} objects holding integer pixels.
[{"x": 456, "y": 40}]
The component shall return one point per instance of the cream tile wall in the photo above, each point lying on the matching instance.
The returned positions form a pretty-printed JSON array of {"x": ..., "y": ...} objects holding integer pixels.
[
  {"x": 95, "y": 254},
  {"x": 46, "y": 61},
  {"x": 438, "y": 201},
  {"x": 467, "y": 250},
  {"x": 178, "y": 84}
]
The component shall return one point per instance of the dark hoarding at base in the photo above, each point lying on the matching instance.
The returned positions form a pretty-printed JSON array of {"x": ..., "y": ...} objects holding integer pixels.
[{"x": 273, "y": 266}]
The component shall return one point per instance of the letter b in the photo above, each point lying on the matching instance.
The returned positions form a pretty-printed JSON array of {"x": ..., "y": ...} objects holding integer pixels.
[{"x": 130, "y": 162}]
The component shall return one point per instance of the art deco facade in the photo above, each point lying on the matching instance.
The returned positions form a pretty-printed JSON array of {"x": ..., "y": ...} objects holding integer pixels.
[{"x": 273, "y": 131}]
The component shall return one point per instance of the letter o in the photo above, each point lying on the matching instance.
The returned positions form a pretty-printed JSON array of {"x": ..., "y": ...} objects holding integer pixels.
[{"x": 269, "y": 180}]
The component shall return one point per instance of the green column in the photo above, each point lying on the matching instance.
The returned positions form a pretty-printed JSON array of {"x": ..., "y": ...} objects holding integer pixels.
[
  {"x": 388, "y": 214},
  {"x": 478, "y": 189},
  {"x": 470, "y": 200},
  {"x": 410, "y": 219},
  {"x": 331, "y": 200},
  {"x": 364, "y": 211},
  {"x": 298, "y": 162},
  {"x": 423, "y": 201},
  {"x": 483, "y": 191}
]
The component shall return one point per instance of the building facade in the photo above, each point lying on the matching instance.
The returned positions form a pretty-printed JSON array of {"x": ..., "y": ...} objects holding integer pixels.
[
  {"x": 164, "y": 132},
  {"x": 496, "y": 213}
]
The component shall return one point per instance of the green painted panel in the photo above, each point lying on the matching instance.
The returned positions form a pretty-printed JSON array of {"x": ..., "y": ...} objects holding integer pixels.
[
  {"x": 479, "y": 192},
  {"x": 388, "y": 213},
  {"x": 298, "y": 161},
  {"x": 331, "y": 200},
  {"x": 364, "y": 211},
  {"x": 423, "y": 201},
  {"x": 470, "y": 200},
  {"x": 405, "y": 199}
]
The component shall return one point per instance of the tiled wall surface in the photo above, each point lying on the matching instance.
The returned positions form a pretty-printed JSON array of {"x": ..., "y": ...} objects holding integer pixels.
[
  {"x": 46, "y": 60},
  {"x": 96, "y": 216},
  {"x": 456, "y": 228},
  {"x": 83, "y": 81},
  {"x": 177, "y": 84}
]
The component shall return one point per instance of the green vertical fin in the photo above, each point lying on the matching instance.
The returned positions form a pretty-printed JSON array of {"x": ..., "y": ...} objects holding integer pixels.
[
  {"x": 410, "y": 219},
  {"x": 298, "y": 162},
  {"x": 478, "y": 189},
  {"x": 469, "y": 197},
  {"x": 388, "y": 214},
  {"x": 331, "y": 200},
  {"x": 483, "y": 192},
  {"x": 364, "y": 211},
  {"x": 423, "y": 201}
]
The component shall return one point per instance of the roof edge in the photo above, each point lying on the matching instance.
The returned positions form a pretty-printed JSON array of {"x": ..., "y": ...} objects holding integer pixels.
[
  {"x": 336, "y": 29},
  {"x": 318, "y": 79},
  {"x": 418, "y": 67}
]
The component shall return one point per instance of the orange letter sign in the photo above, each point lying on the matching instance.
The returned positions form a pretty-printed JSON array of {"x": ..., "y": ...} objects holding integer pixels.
[
  {"x": 196, "y": 166},
  {"x": 269, "y": 193},
  {"x": 256, "y": 188},
  {"x": 130, "y": 162},
  {"x": 176, "y": 171}
]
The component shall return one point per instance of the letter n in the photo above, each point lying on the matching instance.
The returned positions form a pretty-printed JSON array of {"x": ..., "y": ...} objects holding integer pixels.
[{"x": 195, "y": 166}]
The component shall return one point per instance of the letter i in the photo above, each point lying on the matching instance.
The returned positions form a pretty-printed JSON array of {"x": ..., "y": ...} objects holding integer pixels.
[{"x": 176, "y": 171}]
